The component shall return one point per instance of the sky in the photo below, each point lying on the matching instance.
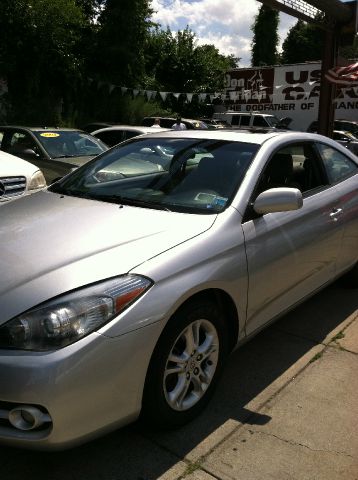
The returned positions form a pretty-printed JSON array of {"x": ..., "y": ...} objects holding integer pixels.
[{"x": 223, "y": 23}]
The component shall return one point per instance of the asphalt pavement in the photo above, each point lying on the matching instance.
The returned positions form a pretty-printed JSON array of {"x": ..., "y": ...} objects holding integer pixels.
[{"x": 285, "y": 409}]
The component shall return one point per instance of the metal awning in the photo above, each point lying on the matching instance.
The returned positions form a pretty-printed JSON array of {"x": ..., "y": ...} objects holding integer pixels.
[
  {"x": 335, "y": 18},
  {"x": 332, "y": 12}
]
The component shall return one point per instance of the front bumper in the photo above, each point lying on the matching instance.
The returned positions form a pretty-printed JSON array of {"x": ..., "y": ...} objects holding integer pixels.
[{"x": 88, "y": 388}]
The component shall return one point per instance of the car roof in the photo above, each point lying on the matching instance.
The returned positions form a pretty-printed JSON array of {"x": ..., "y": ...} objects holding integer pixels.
[
  {"x": 346, "y": 120},
  {"x": 40, "y": 129},
  {"x": 246, "y": 136},
  {"x": 344, "y": 132},
  {"x": 247, "y": 114},
  {"x": 184, "y": 119},
  {"x": 130, "y": 128}
]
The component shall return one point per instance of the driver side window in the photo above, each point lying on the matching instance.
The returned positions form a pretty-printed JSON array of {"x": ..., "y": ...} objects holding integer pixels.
[
  {"x": 19, "y": 143},
  {"x": 294, "y": 166}
]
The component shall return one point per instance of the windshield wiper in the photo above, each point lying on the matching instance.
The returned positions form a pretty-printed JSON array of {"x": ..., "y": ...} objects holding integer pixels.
[
  {"x": 118, "y": 199},
  {"x": 55, "y": 188},
  {"x": 136, "y": 202}
]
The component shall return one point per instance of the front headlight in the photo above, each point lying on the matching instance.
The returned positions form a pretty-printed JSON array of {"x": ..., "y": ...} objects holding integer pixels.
[
  {"x": 37, "y": 181},
  {"x": 68, "y": 318}
]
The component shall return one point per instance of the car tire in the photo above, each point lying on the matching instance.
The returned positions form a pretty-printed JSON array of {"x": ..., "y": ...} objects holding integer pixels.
[{"x": 185, "y": 366}]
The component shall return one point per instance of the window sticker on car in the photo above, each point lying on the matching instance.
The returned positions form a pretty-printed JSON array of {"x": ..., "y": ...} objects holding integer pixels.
[
  {"x": 221, "y": 201},
  {"x": 49, "y": 134}
]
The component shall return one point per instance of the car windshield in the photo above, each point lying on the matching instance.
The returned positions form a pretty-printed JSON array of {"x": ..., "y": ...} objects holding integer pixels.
[
  {"x": 176, "y": 174},
  {"x": 67, "y": 143}
]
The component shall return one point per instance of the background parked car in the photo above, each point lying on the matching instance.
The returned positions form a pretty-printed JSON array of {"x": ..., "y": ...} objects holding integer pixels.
[
  {"x": 346, "y": 139},
  {"x": 212, "y": 123},
  {"x": 340, "y": 125},
  {"x": 168, "y": 122},
  {"x": 246, "y": 120},
  {"x": 89, "y": 127},
  {"x": 56, "y": 151},
  {"x": 118, "y": 133},
  {"x": 18, "y": 177}
]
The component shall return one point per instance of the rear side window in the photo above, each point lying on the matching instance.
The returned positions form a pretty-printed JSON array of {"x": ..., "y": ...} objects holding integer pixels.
[
  {"x": 259, "y": 122},
  {"x": 337, "y": 165},
  {"x": 111, "y": 138},
  {"x": 132, "y": 133},
  {"x": 235, "y": 120},
  {"x": 245, "y": 120}
]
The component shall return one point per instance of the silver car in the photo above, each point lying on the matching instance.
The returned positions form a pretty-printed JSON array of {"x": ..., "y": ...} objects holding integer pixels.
[
  {"x": 122, "y": 295},
  {"x": 118, "y": 133}
]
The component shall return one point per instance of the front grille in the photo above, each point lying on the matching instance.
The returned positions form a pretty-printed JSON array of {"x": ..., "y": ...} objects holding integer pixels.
[{"x": 11, "y": 187}]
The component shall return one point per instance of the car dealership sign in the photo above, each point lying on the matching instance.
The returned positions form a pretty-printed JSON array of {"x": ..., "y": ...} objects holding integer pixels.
[{"x": 287, "y": 90}]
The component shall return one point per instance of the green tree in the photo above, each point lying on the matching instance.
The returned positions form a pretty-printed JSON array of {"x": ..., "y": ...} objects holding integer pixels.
[
  {"x": 91, "y": 8},
  {"x": 265, "y": 40},
  {"x": 39, "y": 55},
  {"x": 123, "y": 30},
  {"x": 176, "y": 63},
  {"x": 211, "y": 66},
  {"x": 304, "y": 42}
]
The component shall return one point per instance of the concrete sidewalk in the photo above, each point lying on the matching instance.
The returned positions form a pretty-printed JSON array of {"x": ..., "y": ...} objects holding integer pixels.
[{"x": 286, "y": 408}]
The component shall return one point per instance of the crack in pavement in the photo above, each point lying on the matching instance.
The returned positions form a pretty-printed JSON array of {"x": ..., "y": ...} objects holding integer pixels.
[{"x": 291, "y": 442}]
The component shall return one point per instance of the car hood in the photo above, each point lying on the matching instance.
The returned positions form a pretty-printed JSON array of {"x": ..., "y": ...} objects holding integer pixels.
[
  {"x": 15, "y": 166},
  {"x": 52, "y": 243}
]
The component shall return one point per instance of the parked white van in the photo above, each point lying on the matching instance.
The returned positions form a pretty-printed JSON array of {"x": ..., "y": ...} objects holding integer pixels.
[
  {"x": 18, "y": 177},
  {"x": 248, "y": 120}
]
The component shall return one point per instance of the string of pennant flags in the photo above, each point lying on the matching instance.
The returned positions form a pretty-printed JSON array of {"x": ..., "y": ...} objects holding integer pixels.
[
  {"x": 152, "y": 94},
  {"x": 261, "y": 95}
]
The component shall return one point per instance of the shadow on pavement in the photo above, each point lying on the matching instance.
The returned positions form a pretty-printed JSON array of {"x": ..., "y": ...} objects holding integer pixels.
[{"x": 134, "y": 454}]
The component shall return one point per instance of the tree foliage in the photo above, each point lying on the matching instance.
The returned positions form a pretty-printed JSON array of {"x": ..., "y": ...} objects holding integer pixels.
[
  {"x": 175, "y": 62},
  {"x": 123, "y": 30},
  {"x": 51, "y": 50},
  {"x": 303, "y": 43},
  {"x": 91, "y": 8},
  {"x": 265, "y": 40},
  {"x": 39, "y": 55}
]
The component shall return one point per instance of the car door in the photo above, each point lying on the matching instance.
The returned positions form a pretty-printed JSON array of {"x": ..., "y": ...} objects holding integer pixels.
[
  {"x": 342, "y": 173},
  {"x": 291, "y": 254}
]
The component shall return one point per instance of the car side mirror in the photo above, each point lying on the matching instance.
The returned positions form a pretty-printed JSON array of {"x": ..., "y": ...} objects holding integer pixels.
[
  {"x": 28, "y": 154},
  {"x": 281, "y": 199}
]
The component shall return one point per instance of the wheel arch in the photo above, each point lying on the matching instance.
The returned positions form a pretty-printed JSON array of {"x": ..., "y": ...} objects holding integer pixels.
[
  {"x": 213, "y": 298},
  {"x": 227, "y": 307}
]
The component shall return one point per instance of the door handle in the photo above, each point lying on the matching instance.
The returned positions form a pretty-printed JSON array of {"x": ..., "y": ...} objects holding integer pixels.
[{"x": 335, "y": 213}]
